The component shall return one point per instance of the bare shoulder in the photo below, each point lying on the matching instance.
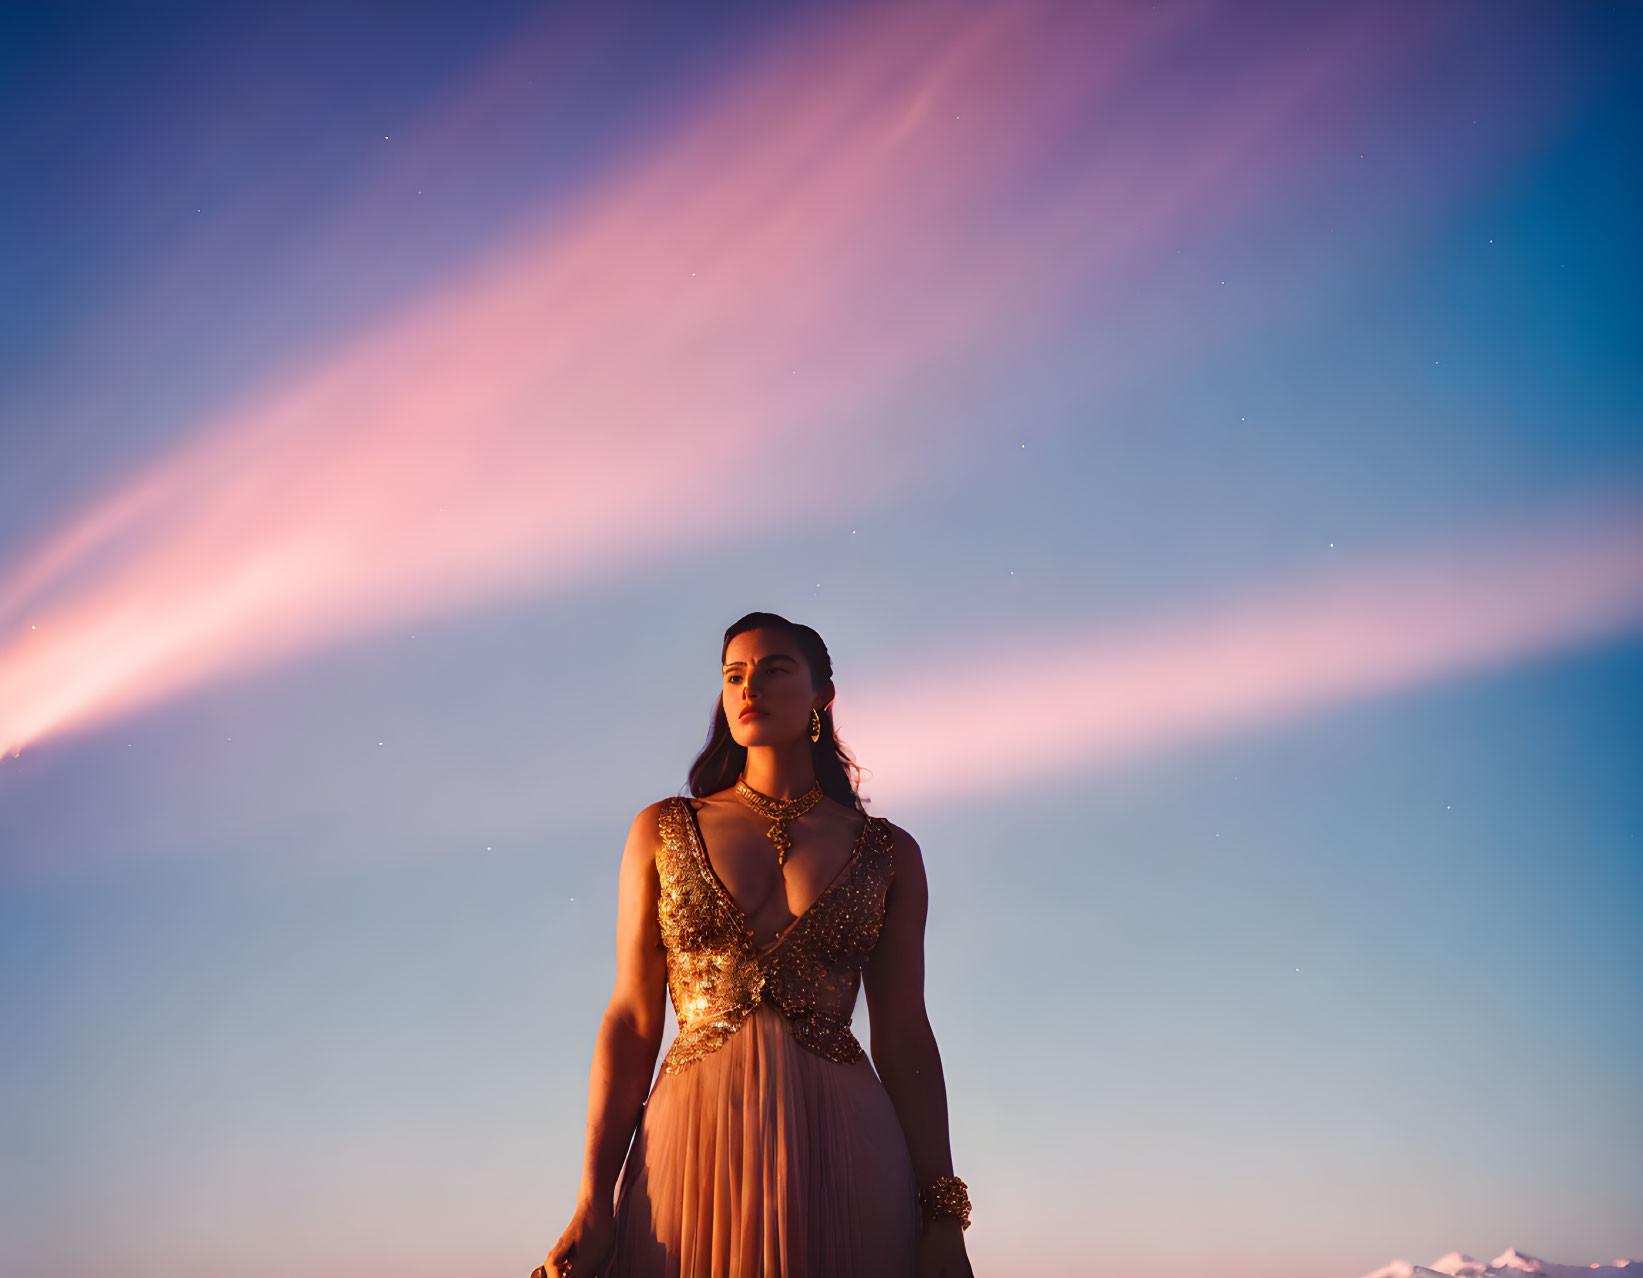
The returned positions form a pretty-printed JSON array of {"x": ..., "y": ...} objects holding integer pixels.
[
  {"x": 651, "y": 813},
  {"x": 904, "y": 847},
  {"x": 645, "y": 833}
]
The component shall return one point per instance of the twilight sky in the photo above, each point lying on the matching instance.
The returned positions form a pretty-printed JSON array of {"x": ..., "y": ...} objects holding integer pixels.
[{"x": 1207, "y": 436}]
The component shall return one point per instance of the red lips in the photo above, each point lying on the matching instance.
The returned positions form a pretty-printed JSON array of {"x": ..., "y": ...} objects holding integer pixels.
[{"x": 749, "y": 713}]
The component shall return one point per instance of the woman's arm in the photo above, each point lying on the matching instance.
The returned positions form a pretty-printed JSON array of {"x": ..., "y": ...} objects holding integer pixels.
[
  {"x": 624, "y": 1054},
  {"x": 904, "y": 1046}
]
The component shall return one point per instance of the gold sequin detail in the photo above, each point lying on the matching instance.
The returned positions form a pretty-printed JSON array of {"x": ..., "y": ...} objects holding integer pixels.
[{"x": 716, "y": 978}]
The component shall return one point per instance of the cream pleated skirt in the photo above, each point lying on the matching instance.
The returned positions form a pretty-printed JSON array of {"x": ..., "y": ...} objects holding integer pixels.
[{"x": 764, "y": 1160}]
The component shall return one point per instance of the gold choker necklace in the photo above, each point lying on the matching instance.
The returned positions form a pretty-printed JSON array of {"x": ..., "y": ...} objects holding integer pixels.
[{"x": 781, "y": 811}]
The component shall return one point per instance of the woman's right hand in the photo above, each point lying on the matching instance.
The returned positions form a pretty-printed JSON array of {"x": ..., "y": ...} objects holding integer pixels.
[{"x": 583, "y": 1248}]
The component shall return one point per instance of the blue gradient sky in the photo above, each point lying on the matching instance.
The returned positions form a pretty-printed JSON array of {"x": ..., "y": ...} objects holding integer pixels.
[{"x": 1217, "y": 311}]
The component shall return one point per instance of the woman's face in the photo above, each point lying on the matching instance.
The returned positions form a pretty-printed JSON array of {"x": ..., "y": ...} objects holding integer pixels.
[{"x": 767, "y": 692}]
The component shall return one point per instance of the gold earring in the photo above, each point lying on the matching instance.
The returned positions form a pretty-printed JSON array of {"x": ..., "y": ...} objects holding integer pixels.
[{"x": 815, "y": 725}]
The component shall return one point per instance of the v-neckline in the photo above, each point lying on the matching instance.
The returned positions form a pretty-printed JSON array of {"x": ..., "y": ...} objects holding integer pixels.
[{"x": 706, "y": 862}]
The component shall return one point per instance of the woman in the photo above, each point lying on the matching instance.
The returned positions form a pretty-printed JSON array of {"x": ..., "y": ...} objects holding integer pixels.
[{"x": 769, "y": 1147}]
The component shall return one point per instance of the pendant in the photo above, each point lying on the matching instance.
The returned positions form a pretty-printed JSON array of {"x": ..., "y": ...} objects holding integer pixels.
[{"x": 783, "y": 810}]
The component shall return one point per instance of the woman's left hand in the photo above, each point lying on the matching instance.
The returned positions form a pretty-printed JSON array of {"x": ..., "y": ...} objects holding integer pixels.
[{"x": 941, "y": 1250}]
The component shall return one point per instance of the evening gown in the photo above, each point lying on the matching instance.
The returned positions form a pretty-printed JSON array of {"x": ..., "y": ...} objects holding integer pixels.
[{"x": 769, "y": 1147}]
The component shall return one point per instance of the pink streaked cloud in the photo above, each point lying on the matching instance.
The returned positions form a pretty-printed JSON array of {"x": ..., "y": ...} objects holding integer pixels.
[
  {"x": 1047, "y": 706},
  {"x": 704, "y": 342}
]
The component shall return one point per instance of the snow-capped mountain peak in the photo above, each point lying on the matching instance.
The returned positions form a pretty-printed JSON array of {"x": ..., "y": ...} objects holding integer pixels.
[
  {"x": 1509, "y": 1264},
  {"x": 1512, "y": 1258},
  {"x": 1458, "y": 1263}
]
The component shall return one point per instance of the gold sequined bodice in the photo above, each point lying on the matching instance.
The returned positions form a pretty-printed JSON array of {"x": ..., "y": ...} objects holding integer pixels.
[{"x": 811, "y": 974}]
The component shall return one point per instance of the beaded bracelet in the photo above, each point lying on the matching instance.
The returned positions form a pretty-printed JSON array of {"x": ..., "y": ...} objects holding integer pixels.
[{"x": 946, "y": 1196}]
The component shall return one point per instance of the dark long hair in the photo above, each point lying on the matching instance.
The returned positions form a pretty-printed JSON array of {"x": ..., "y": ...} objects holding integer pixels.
[{"x": 722, "y": 759}]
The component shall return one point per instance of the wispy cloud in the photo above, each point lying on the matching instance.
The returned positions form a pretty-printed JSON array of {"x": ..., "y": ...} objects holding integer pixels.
[
  {"x": 704, "y": 341},
  {"x": 1047, "y": 706}
]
